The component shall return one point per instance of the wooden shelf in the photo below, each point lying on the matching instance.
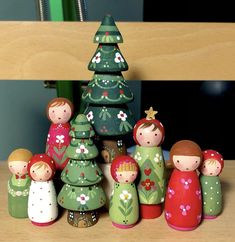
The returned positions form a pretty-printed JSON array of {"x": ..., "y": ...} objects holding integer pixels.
[
  {"x": 154, "y": 51},
  {"x": 218, "y": 230}
]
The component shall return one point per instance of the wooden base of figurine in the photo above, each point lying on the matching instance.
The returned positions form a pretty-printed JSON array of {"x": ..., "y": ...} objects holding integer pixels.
[
  {"x": 150, "y": 211},
  {"x": 209, "y": 217},
  {"x": 42, "y": 224},
  {"x": 82, "y": 219},
  {"x": 122, "y": 226},
  {"x": 181, "y": 228}
]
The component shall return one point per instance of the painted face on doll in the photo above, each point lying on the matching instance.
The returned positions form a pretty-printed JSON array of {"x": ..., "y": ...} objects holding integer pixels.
[
  {"x": 41, "y": 171},
  {"x": 60, "y": 114},
  {"x": 186, "y": 163},
  {"x": 148, "y": 136},
  {"x": 18, "y": 167},
  {"x": 211, "y": 167},
  {"x": 126, "y": 176}
]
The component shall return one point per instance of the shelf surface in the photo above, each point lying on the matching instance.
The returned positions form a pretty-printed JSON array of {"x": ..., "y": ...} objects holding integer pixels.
[
  {"x": 154, "y": 51},
  {"x": 220, "y": 229}
]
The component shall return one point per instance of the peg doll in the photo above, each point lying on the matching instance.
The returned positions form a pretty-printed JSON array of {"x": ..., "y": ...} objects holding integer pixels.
[
  {"x": 59, "y": 112},
  {"x": 19, "y": 183},
  {"x": 42, "y": 203},
  {"x": 183, "y": 206},
  {"x": 124, "y": 208},
  {"x": 149, "y": 134},
  {"x": 211, "y": 168}
]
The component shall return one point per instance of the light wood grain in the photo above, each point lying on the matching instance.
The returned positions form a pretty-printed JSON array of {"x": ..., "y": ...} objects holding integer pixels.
[
  {"x": 219, "y": 230},
  {"x": 154, "y": 51}
]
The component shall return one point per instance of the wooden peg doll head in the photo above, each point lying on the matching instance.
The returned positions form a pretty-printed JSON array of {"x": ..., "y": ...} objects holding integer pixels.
[
  {"x": 186, "y": 155},
  {"x": 41, "y": 167},
  {"x": 59, "y": 110},
  {"x": 124, "y": 169},
  {"x": 212, "y": 164},
  {"x": 18, "y": 161},
  {"x": 149, "y": 131}
]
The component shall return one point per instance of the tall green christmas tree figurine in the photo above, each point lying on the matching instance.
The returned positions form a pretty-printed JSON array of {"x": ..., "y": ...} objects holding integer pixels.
[
  {"x": 107, "y": 94},
  {"x": 82, "y": 194}
]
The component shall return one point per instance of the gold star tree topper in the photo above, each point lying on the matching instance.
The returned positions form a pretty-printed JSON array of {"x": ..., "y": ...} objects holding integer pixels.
[{"x": 150, "y": 113}]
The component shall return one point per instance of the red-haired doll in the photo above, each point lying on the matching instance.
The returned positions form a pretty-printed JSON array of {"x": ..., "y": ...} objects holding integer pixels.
[
  {"x": 149, "y": 134},
  {"x": 42, "y": 202},
  {"x": 211, "y": 167},
  {"x": 124, "y": 207},
  {"x": 183, "y": 206},
  {"x": 59, "y": 112}
]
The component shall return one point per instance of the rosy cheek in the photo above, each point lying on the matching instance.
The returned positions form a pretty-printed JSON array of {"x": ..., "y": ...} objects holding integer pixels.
[{"x": 52, "y": 115}]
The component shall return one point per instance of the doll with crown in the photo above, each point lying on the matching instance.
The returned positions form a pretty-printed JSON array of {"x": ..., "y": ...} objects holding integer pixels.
[{"x": 149, "y": 134}]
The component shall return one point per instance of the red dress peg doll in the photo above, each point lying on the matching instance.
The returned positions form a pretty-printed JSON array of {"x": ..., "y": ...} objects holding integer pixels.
[
  {"x": 42, "y": 202},
  {"x": 59, "y": 112},
  {"x": 183, "y": 206}
]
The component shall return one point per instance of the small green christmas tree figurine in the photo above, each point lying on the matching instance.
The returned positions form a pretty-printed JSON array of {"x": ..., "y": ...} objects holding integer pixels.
[
  {"x": 107, "y": 94},
  {"x": 81, "y": 195}
]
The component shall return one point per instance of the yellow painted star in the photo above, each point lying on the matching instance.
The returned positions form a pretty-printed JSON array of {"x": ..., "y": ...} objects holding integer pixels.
[{"x": 150, "y": 113}]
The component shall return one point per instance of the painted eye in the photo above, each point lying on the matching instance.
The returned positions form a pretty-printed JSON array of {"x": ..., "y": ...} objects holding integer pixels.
[
  {"x": 133, "y": 174},
  {"x": 204, "y": 166},
  {"x": 120, "y": 175},
  {"x": 24, "y": 166},
  {"x": 33, "y": 171},
  {"x": 155, "y": 134},
  {"x": 217, "y": 167},
  {"x": 140, "y": 133},
  {"x": 64, "y": 111},
  {"x": 178, "y": 161},
  {"x": 53, "y": 111},
  {"x": 196, "y": 161},
  {"x": 47, "y": 171}
]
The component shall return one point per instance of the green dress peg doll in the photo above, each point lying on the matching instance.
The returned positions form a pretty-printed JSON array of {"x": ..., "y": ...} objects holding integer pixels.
[
  {"x": 124, "y": 206},
  {"x": 211, "y": 167},
  {"x": 19, "y": 183},
  {"x": 149, "y": 134}
]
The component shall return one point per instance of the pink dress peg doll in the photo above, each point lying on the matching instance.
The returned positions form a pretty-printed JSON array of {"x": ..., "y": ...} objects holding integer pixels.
[
  {"x": 42, "y": 202},
  {"x": 59, "y": 112}
]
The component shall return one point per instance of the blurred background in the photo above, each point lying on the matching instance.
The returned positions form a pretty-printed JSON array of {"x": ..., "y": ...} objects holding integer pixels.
[{"x": 197, "y": 110}]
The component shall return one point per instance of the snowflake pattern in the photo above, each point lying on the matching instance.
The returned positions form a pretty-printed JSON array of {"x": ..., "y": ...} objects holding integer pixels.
[
  {"x": 59, "y": 139},
  {"x": 186, "y": 183},
  {"x": 83, "y": 199},
  {"x": 122, "y": 116},
  {"x": 184, "y": 209},
  {"x": 125, "y": 196},
  {"x": 82, "y": 150},
  {"x": 118, "y": 58},
  {"x": 97, "y": 58},
  {"x": 170, "y": 192}
]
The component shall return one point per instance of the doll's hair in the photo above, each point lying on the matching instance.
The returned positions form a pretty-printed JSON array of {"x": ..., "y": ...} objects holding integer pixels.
[
  {"x": 57, "y": 102},
  {"x": 149, "y": 124},
  {"x": 41, "y": 164},
  {"x": 123, "y": 163},
  {"x": 185, "y": 148}
]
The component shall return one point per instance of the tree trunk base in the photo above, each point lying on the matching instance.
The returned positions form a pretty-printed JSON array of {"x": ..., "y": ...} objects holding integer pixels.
[{"x": 82, "y": 219}]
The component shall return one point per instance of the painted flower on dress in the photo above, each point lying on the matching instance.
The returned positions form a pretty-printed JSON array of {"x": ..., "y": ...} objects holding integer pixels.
[
  {"x": 168, "y": 215},
  {"x": 198, "y": 193},
  {"x": 97, "y": 58},
  {"x": 82, "y": 150},
  {"x": 59, "y": 139},
  {"x": 83, "y": 199},
  {"x": 138, "y": 156},
  {"x": 118, "y": 58},
  {"x": 184, "y": 209},
  {"x": 170, "y": 192},
  {"x": 90, "y": 116},
  {"x": 148, "y": 184},
  {"x": 125, "y": 196},
  {"x": 122, "y": 116},
  {"x": 186, "y": 183},
  {"x": 18, "y": 193},
  {"x": 157, "y": 158}
]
